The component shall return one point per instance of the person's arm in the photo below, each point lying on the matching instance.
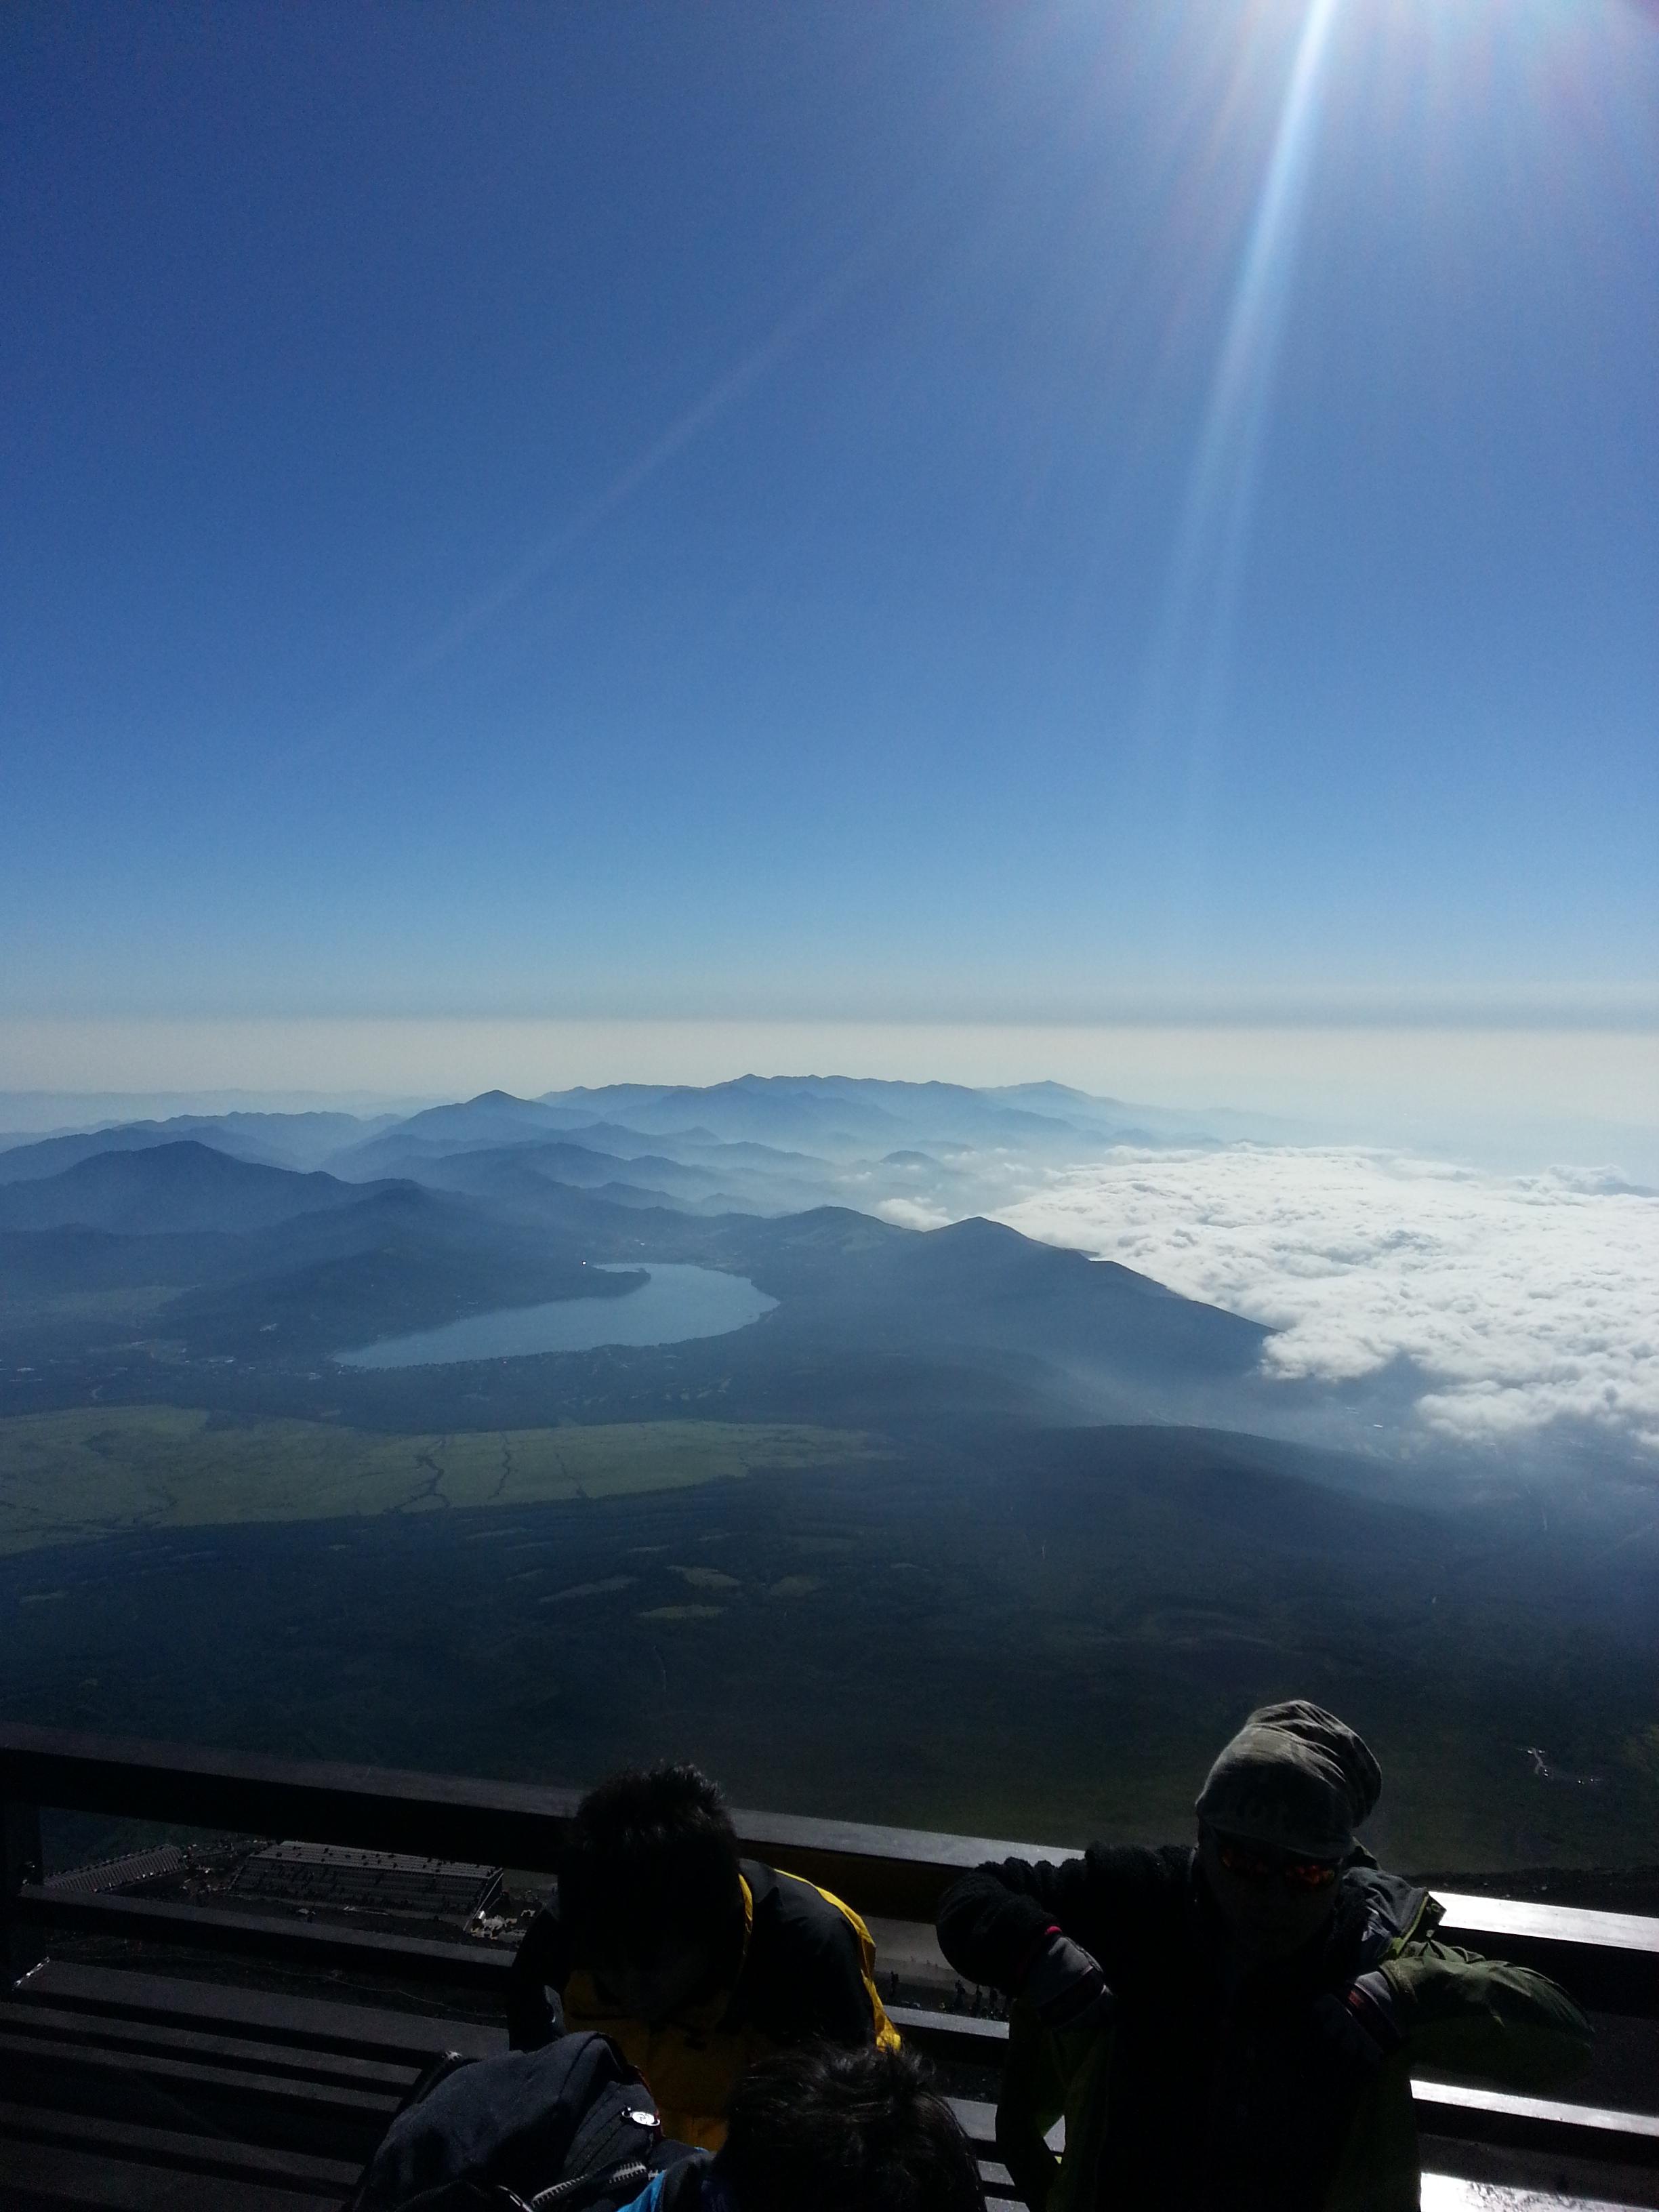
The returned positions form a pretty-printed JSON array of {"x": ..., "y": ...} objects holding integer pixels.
[
  {"x": 1030, "y": 1927},
  {"x": 994, "y": 1922},
  {"x": 1485, "y": 2022},
  {"x": 542, "y": 1962}
]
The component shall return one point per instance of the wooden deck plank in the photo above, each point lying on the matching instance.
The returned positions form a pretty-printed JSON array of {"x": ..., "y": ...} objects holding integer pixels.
[
  {"x": 276, "y": 2164},
  {"x": 75, "y": 2032},
  {"x": 1445, "y": 2192},
  {"x": 323, "y": 2022},
  {"x": 1440, "y": 2101},
  {"x": 51, "y": 2177},
  {"x": 21, "y": 2053}
]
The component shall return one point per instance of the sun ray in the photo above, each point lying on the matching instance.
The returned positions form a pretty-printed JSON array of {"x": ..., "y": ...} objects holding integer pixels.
[{"x": 1189, "y": 661}]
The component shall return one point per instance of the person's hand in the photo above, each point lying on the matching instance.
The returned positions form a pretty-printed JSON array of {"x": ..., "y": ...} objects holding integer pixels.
[
  {"x": 1359, "y": 2023},
  {"x": 1065, "y": 1985}
]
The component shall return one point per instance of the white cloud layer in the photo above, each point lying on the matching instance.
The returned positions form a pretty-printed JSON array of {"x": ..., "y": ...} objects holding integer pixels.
[{"x": 1523, "y": 1300}]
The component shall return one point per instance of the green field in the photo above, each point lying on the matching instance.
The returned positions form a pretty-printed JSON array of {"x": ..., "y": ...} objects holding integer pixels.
[{"x": 68, "y": 1476}]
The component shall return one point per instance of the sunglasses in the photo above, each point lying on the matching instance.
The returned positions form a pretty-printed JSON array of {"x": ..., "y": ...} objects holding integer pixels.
[{"x": 1295, "y": 1874}]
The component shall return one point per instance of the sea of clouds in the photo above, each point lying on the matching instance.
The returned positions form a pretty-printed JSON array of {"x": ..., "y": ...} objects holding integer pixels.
[{"x": 1521, "y": 1300}]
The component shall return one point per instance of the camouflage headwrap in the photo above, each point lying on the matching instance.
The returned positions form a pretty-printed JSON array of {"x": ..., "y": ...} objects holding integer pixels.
[{"x": 1294, "y": 1777}]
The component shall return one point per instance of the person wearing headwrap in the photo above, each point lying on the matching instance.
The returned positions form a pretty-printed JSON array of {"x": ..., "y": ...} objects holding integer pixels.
[{"x": 1232, "y": 2026}]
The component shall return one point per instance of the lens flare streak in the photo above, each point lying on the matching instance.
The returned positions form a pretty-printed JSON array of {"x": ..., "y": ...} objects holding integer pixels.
[{"x": 1189, "y": 664}]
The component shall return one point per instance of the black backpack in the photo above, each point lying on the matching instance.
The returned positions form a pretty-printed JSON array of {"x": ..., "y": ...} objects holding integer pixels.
[{"x": 568, "y": 2128}]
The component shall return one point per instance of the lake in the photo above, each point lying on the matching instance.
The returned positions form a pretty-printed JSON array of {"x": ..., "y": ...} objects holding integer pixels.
[{"x": 677, "y": 1303}]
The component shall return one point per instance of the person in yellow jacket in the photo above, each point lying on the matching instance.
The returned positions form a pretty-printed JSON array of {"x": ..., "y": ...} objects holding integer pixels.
[{"x": 693, "y": 1960}]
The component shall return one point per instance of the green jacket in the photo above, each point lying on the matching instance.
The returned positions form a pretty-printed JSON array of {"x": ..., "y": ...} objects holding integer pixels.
[{"x": 1215, "y": 2091}]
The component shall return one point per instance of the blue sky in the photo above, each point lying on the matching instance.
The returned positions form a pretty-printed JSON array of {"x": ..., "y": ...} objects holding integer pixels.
[{"x": 1070, "y": 513}]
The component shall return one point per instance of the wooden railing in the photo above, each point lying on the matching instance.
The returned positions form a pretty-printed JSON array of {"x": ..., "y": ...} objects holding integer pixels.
[{"x": 1608, "y": 1961}]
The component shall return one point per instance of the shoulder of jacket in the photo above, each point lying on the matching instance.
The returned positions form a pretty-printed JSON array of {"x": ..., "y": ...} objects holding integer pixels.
[
  {"x": 764, "y": 1882},
  {"x": 793, "y": 1910},
  {"x": 1390, "y": 1912}
]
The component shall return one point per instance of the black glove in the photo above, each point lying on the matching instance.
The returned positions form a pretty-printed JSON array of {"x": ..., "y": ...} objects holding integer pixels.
[
  {"x": 1359, "y": 2024},
  {"x": 1066, "y": 1987}
]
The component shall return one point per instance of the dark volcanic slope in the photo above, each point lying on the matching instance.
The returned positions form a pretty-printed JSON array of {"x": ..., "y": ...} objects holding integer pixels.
[{"x": 1028, "y": 1634}]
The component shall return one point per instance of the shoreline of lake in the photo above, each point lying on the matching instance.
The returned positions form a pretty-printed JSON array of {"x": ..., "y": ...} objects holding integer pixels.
[{"x": 676, "y": 1303}]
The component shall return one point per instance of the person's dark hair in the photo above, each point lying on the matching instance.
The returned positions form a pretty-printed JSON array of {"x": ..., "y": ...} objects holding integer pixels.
[
  {"x": 821, "y": 2128},
  {"x": 649, "y": 1867}
]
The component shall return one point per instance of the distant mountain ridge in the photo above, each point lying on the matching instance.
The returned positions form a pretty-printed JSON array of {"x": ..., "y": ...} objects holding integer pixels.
[
  {"x": 844, "y": 1112},
  {"x": 862, "y": 1107},
  {"x": 170, "y": 1188},
  {"x": 283, "y": 1140},
  {"x": 772, "y": 1144},
  {"x": 830, "y": 1117}
]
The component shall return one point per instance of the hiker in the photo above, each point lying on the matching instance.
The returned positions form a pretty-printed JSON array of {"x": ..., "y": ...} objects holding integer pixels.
[
  {"x": 815, "y": 2129},
  {"x": 1234, "y": 2026},
  {"x": 694, "y": 1961}
]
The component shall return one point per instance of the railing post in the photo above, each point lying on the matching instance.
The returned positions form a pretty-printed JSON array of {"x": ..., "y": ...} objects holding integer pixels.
[{"x": 21, "y": 1862}]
